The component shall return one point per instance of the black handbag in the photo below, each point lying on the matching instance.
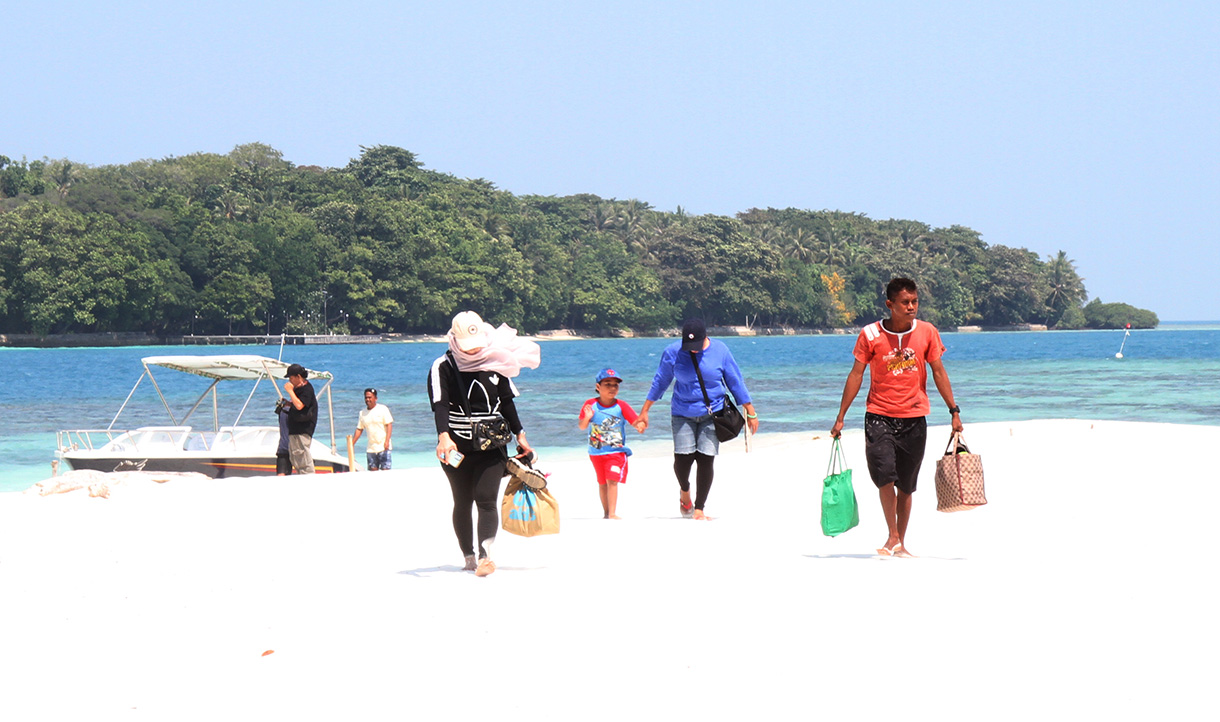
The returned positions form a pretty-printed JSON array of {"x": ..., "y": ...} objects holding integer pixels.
[
  {"x": 493, "y": 433},
  {"x": 727, "y": 420}
]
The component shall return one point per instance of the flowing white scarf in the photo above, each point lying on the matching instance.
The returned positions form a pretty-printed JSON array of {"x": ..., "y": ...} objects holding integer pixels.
[{"x": 504, "y": 352}]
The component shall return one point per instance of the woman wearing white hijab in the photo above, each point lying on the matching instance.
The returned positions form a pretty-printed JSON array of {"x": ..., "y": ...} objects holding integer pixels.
[{"x": 472, "y": 382}]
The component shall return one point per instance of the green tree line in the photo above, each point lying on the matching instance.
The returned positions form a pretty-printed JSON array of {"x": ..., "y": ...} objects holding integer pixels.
[{"x": 248, "y": 242}]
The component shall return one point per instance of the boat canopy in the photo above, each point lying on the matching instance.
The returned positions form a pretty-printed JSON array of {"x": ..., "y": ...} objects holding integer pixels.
[{"x": 229, "y": 367}]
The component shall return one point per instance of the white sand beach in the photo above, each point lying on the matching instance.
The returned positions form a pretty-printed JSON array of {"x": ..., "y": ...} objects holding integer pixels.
[{"x": 1083, "y": 590}]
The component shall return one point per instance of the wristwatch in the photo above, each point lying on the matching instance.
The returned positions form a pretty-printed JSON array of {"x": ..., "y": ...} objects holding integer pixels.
[{"x": 955, "y": 410}]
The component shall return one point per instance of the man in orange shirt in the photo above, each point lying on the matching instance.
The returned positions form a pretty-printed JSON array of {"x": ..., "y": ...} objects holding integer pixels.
[{"x": 897, "y": 352}]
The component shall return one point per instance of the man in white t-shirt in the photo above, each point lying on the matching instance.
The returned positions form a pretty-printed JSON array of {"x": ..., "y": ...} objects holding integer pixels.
[{"x": 375, "y": 419}]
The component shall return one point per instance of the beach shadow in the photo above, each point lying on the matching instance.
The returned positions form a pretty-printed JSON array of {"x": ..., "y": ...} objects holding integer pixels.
[
  {"x": 878, "y": 557},
  {"x": 426, "y": 571},
  {"x": 653, "y": 517}
]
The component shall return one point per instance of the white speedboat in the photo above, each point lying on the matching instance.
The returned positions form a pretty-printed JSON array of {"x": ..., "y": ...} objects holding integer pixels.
[{"x": 218, "y": 451}]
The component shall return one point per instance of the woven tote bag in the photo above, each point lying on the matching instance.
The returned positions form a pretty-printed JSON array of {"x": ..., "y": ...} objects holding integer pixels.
[{"x": 959, "y": 477}]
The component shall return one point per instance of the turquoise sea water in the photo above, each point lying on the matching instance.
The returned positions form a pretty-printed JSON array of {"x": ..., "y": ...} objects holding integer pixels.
[{"x": 1167, "y": 375}]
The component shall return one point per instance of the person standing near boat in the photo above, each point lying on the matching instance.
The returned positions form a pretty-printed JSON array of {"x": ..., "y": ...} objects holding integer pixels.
[
  {"x": 283, "y": 462},
  {"x": 380, "y": 424},
  {"x": 897, "y": 352},
  {"x": 471, "y": 391},
  {"x": 695, "y": 441},
  {"x": 302, "y": 418}
]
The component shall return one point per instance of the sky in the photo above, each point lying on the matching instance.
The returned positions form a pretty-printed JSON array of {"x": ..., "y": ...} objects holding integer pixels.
[{"x": 1088, "y": 127}]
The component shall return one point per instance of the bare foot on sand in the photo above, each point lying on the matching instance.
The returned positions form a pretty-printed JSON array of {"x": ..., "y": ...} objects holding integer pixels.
[
  {"x": 613, "y": 516},
  {"x": 700, "y": 515},
  {"x": 471, "y": 564}
]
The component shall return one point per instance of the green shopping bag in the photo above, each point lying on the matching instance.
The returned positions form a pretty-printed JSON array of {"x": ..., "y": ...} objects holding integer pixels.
[{"x": 839, "y": 509}]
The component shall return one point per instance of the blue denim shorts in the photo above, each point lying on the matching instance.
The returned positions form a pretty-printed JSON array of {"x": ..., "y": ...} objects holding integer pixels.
[
  {"x": 377, "y": 460},
  {"x": 697, "y": 434}
]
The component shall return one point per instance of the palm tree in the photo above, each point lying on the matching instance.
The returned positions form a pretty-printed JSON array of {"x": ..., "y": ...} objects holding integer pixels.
[
  {"x": 602, "y": 216},
  {"x": 63, "y": 173},
  {"x": 833, "y": 241},
  {"x": 630, "y": 220},
  {"x": 494, "y": 225},
  {"x": 799, "y": 245},
  {"x": 232, "y": 204},
  {"x": 1066, "y": 286}
]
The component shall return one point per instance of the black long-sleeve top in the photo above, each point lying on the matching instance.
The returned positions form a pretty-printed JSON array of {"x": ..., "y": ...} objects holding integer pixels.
[{"x": 487, "y": 393}]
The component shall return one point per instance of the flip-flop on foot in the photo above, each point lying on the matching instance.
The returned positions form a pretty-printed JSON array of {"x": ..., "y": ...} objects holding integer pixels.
[
  {"x": 885, "y": 552},
  {"x": 901, "y": 552}
]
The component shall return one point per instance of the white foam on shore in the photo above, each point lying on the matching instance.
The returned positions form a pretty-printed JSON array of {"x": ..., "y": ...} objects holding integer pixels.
[{"x": 1082, "y": 590}]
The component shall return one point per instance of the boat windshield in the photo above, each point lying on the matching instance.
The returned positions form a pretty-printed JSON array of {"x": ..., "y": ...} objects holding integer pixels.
[{"x": 150, "y": 439}]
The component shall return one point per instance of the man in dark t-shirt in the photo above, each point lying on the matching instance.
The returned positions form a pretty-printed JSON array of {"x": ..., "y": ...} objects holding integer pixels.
[{"x": 302, "y": 418}]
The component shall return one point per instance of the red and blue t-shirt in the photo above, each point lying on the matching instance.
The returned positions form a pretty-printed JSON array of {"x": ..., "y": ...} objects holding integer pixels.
[{"x": 608, "y": 428}]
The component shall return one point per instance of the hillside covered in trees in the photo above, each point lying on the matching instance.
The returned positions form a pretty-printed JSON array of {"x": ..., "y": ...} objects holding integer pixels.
[{"x": 249, "y": 242}]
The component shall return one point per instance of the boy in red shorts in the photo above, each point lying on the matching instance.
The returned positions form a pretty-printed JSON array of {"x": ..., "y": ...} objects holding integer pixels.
[
  {"x": 606, "y": 418},
  {"x": 897, "y": 352}
]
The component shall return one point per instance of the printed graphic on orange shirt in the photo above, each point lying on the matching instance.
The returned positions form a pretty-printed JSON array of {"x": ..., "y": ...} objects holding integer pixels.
[{"x": 900, "y": 361}]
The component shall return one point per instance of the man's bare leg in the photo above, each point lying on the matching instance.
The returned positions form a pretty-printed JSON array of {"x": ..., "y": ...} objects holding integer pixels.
[
  {"x": 889, "y": 507},
  {"x": 903, "y": 517},
  {"x": 604, "y": 493}
]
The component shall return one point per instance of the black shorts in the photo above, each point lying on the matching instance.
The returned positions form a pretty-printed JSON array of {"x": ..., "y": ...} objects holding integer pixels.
[{"x": 894, "y": 449}]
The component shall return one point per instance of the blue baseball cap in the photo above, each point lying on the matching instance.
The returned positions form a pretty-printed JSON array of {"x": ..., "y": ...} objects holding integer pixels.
[{"x": 607, "y": 374}]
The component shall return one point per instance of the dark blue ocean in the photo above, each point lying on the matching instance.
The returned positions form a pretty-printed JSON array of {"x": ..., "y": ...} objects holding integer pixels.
[{"x": 1167, "y": 375}]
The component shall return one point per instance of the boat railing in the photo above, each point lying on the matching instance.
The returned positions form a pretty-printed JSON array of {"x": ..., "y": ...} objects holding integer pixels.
[
  {"x": 84, "y": 439},
  {"x": 146, "y": 439},
  {"x": 151, "y": 439}
]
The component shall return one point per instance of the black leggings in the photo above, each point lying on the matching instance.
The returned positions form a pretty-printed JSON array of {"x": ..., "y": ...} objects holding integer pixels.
[
  {"x": 476, "y": 483},
  {"x": 703, "y": 475}
]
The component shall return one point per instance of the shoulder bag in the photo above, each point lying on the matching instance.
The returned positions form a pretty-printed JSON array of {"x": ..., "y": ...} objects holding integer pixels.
[{"x": 728, "y": 420}]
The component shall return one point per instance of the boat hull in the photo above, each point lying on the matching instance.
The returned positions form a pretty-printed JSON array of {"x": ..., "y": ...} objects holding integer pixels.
[{"x": 215, "y": 467}]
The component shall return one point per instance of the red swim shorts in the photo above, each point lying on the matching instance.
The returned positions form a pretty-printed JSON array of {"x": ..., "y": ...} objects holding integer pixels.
[{"x": 610, "y": 467}]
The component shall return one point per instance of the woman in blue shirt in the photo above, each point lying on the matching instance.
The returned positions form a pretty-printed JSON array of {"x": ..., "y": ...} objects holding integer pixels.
[{"x": 695, "y": 442}]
